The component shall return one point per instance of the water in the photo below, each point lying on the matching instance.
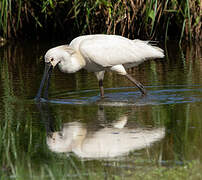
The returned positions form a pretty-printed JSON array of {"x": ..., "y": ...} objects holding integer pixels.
[{"x": 78, "y": 135}]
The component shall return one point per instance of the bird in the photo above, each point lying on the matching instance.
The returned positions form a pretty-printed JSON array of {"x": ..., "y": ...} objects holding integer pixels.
[{"x": 99, "y": 53}]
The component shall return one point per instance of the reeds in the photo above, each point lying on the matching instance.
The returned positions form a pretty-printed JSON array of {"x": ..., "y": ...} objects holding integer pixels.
[{"x": 142, "y": 18}]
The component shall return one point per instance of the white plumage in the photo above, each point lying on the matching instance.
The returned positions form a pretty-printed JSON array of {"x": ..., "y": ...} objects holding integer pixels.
[
  {"x": 111, "y": 50},
  {"x": 98, "y": 53}
]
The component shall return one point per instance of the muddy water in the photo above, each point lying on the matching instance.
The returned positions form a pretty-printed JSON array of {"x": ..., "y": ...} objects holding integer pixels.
[{"x": 77, "y": 134}]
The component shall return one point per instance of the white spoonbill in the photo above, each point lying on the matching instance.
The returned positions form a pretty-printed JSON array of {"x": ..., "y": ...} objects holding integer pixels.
[{"x": 99, "y": 53}]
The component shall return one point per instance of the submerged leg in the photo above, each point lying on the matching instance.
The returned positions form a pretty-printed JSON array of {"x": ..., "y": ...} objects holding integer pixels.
[{"x": 138, "y": 84}]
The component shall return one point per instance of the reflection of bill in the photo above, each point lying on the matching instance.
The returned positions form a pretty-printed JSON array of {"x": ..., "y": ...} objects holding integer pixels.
[{"x": 108, "y": 142}]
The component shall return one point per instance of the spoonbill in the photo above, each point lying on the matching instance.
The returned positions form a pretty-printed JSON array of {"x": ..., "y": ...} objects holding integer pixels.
[{"x": 99, "y": 53}]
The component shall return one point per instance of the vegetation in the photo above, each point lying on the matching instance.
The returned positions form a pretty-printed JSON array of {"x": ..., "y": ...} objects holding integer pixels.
[{"x": 143, "y": 18}]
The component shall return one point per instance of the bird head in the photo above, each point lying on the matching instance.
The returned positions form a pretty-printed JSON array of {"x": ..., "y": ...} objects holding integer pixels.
[
  {"x": 57, "y": 54},
  {"x": 53, "y": 57}
]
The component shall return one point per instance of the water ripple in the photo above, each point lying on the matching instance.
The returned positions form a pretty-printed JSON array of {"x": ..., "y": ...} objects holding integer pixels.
[{"x": 126, "y": 96}]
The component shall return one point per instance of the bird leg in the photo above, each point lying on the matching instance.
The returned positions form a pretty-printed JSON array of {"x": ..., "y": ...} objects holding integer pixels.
[
  {"x": 138, "y": 84},
  {"x": 101, "y": 88},
  {"x": 100, "y": 77}
]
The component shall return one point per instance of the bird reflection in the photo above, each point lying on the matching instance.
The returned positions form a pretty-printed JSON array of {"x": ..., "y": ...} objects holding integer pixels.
[{"x": 107, "y": 142}]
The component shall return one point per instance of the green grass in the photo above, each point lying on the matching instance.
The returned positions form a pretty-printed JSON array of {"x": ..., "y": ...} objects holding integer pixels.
[
  {"x": 146, "y": 19},
  {"x": 190, "y": 171}
]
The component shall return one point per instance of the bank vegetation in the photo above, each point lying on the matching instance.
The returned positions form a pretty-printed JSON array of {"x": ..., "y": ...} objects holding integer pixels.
[{"x": 149, "y": 19}]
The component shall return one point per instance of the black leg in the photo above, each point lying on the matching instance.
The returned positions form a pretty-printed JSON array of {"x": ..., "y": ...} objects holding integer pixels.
[
  {"x": 138, "y": 84},
  {"x": 101, "y": 88}
]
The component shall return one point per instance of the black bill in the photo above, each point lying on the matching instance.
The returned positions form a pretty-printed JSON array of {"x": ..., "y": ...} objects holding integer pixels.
[{"x": 46, "y": 77}]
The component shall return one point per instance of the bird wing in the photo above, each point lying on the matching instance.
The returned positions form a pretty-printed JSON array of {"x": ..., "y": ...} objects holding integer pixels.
[{"x": 111, "y": 50}]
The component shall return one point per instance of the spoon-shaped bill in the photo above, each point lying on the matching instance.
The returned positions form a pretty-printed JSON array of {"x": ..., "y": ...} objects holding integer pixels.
[
  {"x": 45, "y": 94},
  {"x": 44, "y": 78}
]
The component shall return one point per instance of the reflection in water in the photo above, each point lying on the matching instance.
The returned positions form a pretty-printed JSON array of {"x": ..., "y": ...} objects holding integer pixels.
[
  {"x": 104, "y": 143},
  {"x": 107, "y": 142}
]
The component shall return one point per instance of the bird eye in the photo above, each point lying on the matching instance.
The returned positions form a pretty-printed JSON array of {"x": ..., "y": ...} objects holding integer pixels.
[{"x": 51, "y": 59}]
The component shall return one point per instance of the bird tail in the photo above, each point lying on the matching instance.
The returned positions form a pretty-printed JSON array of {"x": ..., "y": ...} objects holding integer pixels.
[
  {"x": 152, "y": 49},
  {"x": 161, "y": 51}
]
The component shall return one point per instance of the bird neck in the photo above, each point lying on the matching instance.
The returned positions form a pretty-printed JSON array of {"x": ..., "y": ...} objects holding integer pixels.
[{"x": 72, "y": 64}]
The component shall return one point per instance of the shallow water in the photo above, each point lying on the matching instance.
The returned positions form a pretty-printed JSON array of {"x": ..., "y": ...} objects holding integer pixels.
[{"x": 77, "y": 134}]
